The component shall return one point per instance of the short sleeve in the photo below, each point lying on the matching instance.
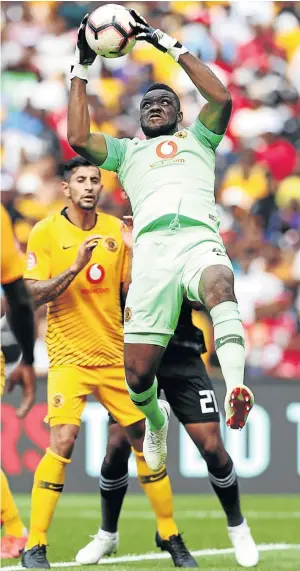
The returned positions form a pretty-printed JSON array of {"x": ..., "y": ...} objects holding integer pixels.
[
  {"x": 11, "y": 260},
  {"x": 38, "y": 265},
  {"x": 204, "y": 135},
  {"x": 116, "y": 150}
]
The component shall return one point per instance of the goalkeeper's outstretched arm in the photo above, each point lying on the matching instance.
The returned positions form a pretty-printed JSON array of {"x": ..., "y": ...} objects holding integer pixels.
[
  {"x": 89, "y": 145},
  {"x": 216, "y": 112}
]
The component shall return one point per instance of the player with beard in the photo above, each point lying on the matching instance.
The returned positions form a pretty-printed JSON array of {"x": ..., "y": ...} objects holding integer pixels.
[
  {"x": 169, "y": 179},
  {"x": 78, "y": 265}
]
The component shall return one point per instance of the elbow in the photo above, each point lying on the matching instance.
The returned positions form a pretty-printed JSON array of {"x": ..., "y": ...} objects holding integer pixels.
[
  {"x": 225, "y": 99},
  {"x": 76, "y": 142}
]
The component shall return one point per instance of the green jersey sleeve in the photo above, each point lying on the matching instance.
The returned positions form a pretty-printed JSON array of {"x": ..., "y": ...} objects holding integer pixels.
[
  {"x": 116, "y": 151},
  {"x": 204, "y": 135}
]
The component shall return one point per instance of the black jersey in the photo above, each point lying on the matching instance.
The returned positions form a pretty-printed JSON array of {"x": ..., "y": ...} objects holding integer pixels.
[{"x": 186, "y": 334}]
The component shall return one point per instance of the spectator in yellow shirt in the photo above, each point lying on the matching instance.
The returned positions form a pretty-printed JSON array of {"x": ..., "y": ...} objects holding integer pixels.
[{"x": 247, "y": 175}]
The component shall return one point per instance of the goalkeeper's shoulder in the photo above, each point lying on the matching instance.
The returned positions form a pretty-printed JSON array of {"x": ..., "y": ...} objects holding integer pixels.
[{"x": 117, "y": 151}]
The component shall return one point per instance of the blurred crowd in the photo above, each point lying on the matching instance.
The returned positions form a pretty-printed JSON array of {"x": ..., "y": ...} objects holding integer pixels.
[{"x": 254, "y": 48}]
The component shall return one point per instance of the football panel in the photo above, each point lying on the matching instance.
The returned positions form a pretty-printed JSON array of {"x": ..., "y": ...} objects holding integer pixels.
[
  {"x": 108, "y": 39},
  {"x": 124, "y": 19}
]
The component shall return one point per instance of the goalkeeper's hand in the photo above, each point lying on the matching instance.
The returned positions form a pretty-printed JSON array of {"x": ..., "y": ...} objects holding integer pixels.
[
  {"x": 160, "y": 40},
  {"x": 84, "y": 55}
]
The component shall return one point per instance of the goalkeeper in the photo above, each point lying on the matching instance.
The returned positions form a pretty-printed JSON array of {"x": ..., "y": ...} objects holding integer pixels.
[{"x": 169, "y": 179}]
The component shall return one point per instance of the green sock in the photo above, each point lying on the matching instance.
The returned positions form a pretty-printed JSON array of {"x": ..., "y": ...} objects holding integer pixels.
[{"x": 147, "y": 402}]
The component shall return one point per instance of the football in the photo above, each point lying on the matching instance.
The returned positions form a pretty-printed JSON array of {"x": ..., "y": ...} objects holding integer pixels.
[{"x": 108, "y": 31}]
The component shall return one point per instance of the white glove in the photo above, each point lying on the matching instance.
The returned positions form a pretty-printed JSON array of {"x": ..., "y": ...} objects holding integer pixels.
[{"x": 160, "y": 40}]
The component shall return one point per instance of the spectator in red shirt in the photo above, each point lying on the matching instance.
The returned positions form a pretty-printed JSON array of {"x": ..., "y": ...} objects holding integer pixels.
[{"x": 278, "y": 154}]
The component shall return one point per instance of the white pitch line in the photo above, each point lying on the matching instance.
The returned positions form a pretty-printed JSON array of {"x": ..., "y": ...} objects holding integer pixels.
[
  {"x": 185, "y": 514},
  {"x": 151, "y": 556}
]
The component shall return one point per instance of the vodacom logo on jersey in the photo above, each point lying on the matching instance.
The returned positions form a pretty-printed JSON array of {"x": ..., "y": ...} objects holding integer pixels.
[
  {"x": 166, "y": 150},
  {"x": 95, "y": 274}
]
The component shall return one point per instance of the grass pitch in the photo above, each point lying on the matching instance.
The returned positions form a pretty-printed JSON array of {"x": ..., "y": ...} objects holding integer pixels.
[{"x": 273, "y": 520}]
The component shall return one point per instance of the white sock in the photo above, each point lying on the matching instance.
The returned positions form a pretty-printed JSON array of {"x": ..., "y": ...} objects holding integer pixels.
[{"x": 229, "y": 342}]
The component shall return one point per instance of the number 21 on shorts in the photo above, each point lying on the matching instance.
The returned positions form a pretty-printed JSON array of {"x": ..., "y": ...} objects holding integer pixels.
[{"x": 208, "y": 401}]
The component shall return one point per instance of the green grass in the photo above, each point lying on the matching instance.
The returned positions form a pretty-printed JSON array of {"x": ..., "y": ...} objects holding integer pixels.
[{"x": 273, "y": 519}]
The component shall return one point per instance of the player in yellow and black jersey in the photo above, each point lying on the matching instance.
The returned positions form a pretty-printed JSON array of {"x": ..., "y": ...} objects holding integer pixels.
[
  {"x": 21, "y": 319},
  {"x": 78, "y": 265}
]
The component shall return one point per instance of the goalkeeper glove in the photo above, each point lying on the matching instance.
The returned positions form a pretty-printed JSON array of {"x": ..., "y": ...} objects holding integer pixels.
[
  {"x": 160, "y": 40},
  {"x": 84, "y": 55}
]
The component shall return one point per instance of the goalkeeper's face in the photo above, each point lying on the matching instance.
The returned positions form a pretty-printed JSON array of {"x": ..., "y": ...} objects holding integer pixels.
[
  {"x": 84, "y": 187},
  {"x": 159, "y": 113}
]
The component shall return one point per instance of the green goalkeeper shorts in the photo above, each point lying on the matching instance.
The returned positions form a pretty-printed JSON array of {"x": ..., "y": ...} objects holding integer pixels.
[{"x": 166, "y": 265}]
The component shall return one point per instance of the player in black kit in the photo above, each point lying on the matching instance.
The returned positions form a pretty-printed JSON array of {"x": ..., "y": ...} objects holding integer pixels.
[{"x": 183, "y": 378}]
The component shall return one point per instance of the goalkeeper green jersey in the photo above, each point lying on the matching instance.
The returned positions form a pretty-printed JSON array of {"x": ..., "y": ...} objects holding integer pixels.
[{"x": 169, "y": 179}]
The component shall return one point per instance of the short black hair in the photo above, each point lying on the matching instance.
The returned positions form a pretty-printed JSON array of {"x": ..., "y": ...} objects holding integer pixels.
[
  {"x": 75, "y": 163},
  {"x": 165, "y": 87}
]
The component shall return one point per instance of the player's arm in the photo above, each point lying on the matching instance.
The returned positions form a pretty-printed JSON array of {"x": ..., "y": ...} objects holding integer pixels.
[
  {"x": 20, "y": 314},
  {"x": 21, "y": 320},
  {"x": 44, "y": 291},
  {"x": 90, "y": 146},
  {"x": 21, "y": 317},
  {"x": 126, "y": 230},
  {"x": 216, "y": 112},
  {"x": 99, "y": 149}
]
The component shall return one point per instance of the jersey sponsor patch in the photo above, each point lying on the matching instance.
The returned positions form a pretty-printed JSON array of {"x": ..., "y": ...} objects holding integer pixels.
[
  {"x": 31, "y": 261},
  {"x": 166, "y": 150},
  {"x": 95, "y": 274},
  {"x": 110, "y": 244}
]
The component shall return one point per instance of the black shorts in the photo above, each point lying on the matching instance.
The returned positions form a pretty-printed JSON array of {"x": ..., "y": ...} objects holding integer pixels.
[
  {"x": 183, "y": 378},
  {"x": 188, "y": 389}
]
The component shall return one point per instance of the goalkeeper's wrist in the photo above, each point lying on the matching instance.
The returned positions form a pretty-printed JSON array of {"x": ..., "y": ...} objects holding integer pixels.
[
  {"x": 176, "y": 51},
  {"x": 80, "y": 71},
  {"x": 174, "y": 48}
]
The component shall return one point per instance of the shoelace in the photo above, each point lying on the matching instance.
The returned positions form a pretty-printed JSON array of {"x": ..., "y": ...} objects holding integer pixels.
[{"x": 178, "y": 546}]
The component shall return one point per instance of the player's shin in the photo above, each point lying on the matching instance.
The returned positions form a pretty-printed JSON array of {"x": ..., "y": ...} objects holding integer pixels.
[
  {"x": 147, "y": 403},
  {"x": 157, "y": 487},
  {"x": 10, "y": 517},
  {"x": 113, "y": 483},
  {"x": 225, "y": 484},
  {"x": 47, "y": 486},
  {"x": 230, "y": 348},
  {"x": 229, "y": 342}
]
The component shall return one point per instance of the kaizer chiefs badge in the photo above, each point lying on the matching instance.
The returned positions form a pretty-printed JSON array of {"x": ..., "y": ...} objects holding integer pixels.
[
  {"x": 58, "y": 401},
  {"x": 181, "y": 134},
  {"x": 127, "y": 314},
  {"x": 110, "y": 244}
]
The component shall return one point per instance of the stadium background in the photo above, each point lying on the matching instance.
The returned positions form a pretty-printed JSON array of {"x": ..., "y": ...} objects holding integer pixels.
[{"x": 254, "y": 47}]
